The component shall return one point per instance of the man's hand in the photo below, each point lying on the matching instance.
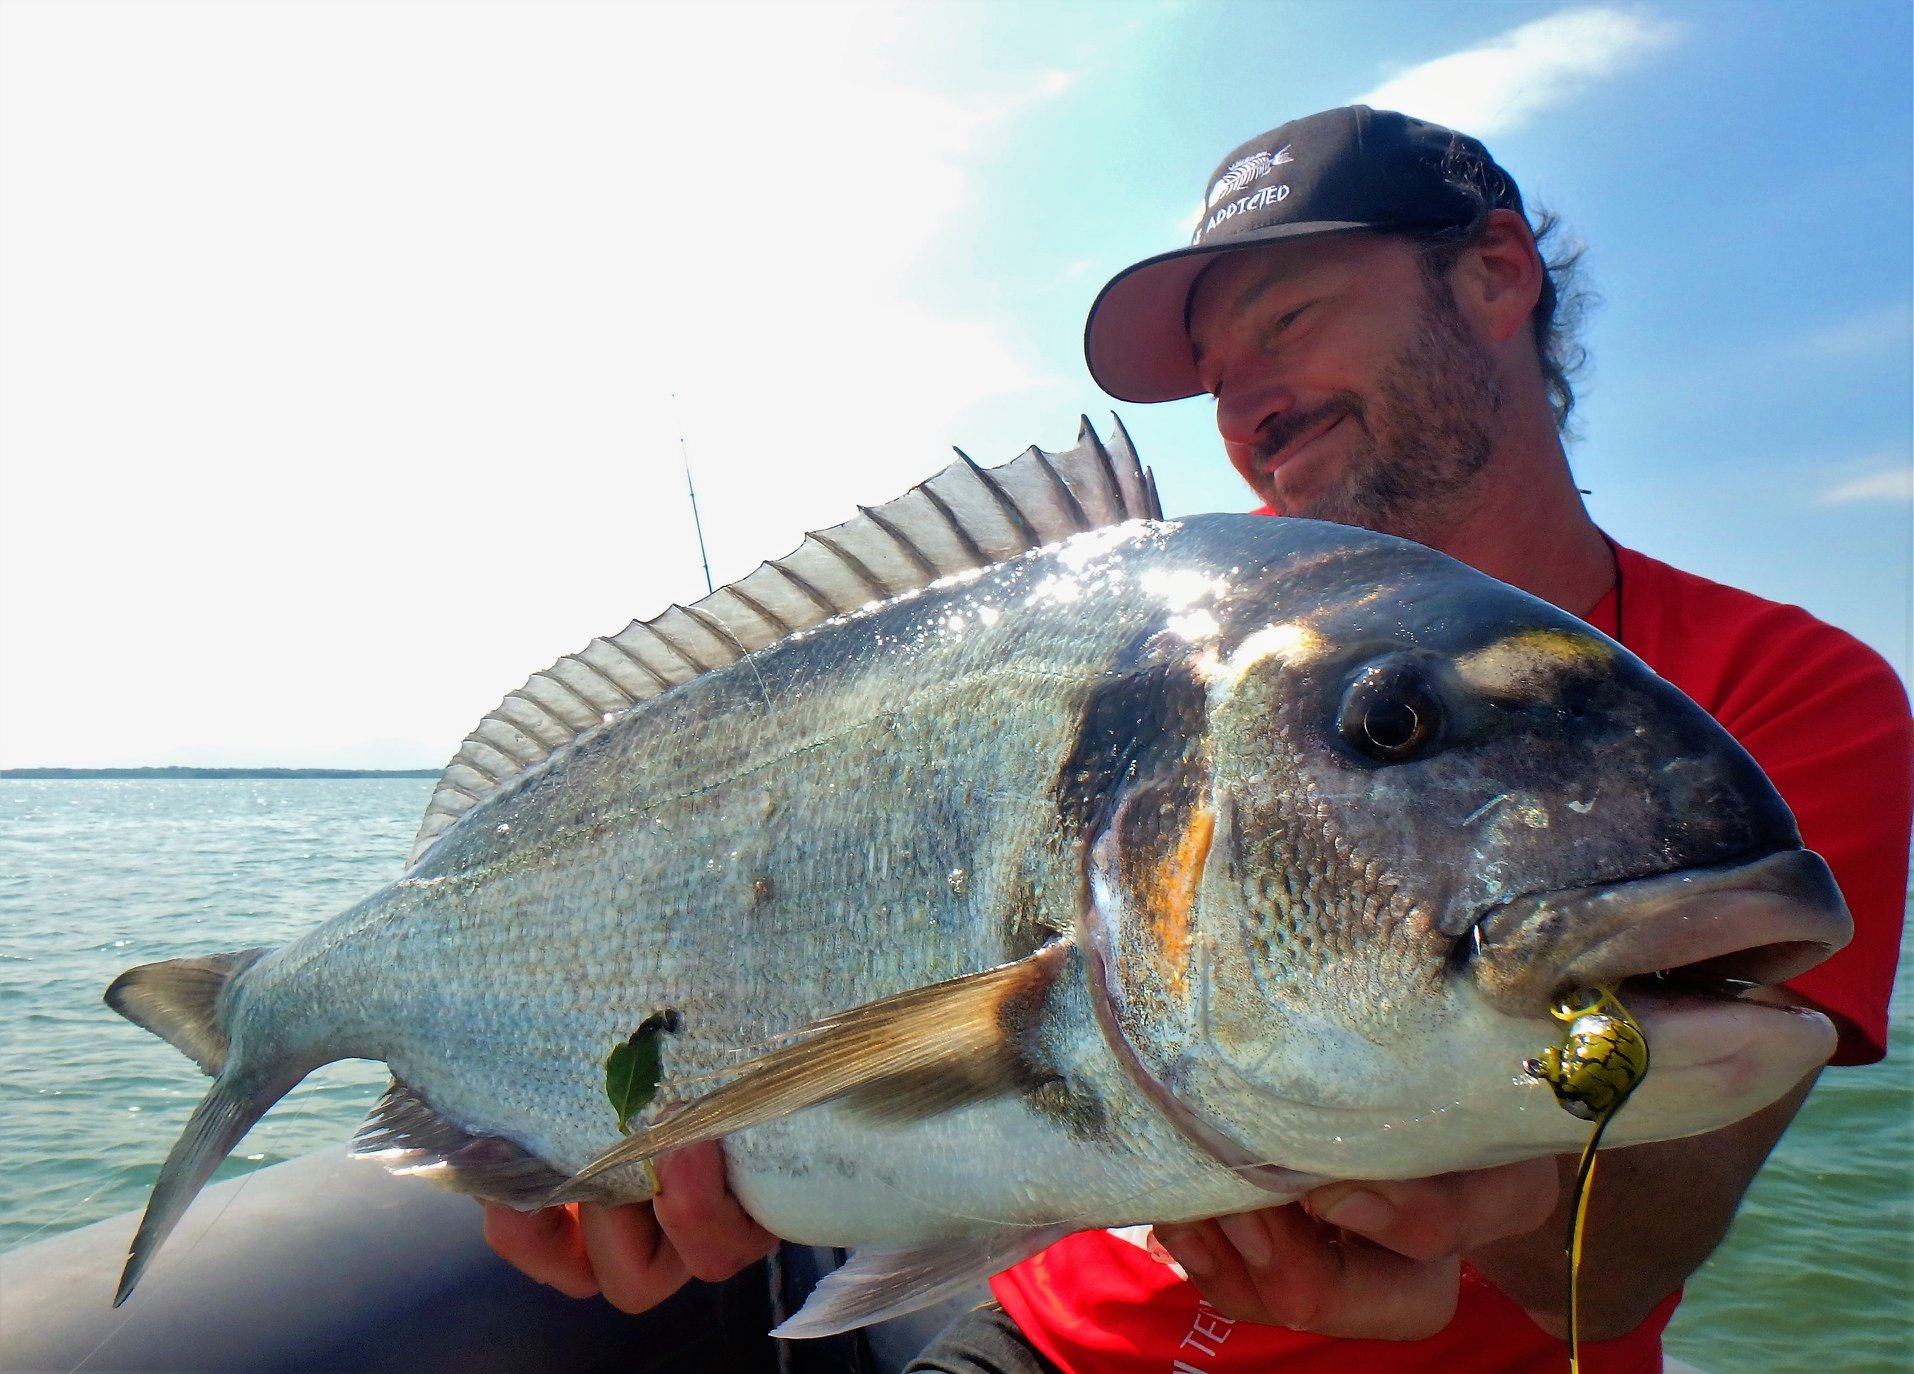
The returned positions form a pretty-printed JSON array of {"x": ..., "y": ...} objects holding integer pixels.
[
  {"x": 639, "y": 1254},
  {"x": 1383, "y": 1260},
  {"x": 1378, "y": 1260}
]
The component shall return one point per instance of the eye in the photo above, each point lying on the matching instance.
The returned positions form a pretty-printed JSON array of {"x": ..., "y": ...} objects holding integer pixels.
[
  {"x": 1282, "y": 324},
  {"x": 1390, "y": 713}
]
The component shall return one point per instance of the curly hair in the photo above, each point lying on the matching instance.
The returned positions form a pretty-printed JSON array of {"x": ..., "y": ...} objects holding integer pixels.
[{"x": 1566, "y": 299}]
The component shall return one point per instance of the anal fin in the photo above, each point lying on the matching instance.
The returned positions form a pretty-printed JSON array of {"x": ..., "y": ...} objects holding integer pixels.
[
  {"x": 913, "y": 1054},
  {"x": 882, "y": 1282},
  {"x": 406, "y": 1135}
]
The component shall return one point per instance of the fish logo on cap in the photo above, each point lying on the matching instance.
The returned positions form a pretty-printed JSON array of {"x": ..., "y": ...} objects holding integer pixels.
[{"x": 1244, "y": 170}]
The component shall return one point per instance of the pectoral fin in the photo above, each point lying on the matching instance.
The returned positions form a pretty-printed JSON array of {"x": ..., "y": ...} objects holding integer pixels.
[{"x": 907, "y": 1056}]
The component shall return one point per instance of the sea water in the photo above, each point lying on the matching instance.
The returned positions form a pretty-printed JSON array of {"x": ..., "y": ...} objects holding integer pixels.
[{"x": 96, "y": 876}]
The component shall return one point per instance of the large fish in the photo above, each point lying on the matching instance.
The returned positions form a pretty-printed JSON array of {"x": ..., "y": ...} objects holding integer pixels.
[{"x": 1015, "y": 883}]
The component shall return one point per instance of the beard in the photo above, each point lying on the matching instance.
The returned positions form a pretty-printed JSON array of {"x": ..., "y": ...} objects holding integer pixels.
[{"x": 1422, "y": 438}]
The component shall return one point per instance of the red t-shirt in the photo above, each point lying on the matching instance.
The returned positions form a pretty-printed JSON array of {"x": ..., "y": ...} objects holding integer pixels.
[{"x": 1827, "y": 719}]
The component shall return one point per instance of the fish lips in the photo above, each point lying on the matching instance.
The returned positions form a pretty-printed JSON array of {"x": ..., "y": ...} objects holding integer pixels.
[{"x": 1759, "y": 919}]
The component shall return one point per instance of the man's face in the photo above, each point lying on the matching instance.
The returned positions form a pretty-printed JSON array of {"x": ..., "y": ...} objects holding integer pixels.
[{"x": 1348, "y": 386}]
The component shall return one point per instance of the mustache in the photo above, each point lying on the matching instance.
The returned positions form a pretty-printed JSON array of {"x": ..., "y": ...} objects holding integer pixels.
[{"x": 1280, "y": 431}]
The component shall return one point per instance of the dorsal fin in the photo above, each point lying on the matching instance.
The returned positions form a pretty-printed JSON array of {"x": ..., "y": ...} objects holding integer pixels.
[{"x": 966, "y": 517}]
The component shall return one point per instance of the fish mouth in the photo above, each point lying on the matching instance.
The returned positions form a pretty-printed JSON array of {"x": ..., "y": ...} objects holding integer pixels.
[{"x": 1698, "y": 935}]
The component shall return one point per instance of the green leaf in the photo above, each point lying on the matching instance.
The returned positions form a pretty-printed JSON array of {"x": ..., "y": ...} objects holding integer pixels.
[{"x": 632, "y": 1070}]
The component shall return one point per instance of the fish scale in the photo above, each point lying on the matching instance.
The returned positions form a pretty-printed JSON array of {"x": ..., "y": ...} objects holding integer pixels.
[
  {"x": 1075, "y": 890},
  {"x": 879, "y": 892}
]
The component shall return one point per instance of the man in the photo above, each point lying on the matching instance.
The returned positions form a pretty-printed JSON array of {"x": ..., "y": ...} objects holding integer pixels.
[{"x": 1366, "y": 303}]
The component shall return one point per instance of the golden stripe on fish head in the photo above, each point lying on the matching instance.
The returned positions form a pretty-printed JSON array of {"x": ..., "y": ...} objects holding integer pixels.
[{"x": 1321, "y": 877}]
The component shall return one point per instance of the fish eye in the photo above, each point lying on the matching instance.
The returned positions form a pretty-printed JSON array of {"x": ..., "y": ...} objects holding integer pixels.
[{"x": 1390, "y": 713}]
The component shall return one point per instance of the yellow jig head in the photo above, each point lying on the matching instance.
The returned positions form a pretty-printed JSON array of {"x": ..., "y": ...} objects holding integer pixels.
[{"x": 1601, "y": 1058}]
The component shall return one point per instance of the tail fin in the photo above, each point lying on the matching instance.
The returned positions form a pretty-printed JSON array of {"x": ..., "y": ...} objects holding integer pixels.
[
  {"x": 179, "y": 1001},
  {"x": 184, "y": 1002}
]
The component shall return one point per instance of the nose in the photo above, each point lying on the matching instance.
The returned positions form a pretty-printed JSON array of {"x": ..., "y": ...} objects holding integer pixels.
[{"x": 1249, "y": 400}]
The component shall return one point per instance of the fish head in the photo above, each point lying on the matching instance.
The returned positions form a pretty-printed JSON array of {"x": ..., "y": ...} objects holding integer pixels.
[{"x": 1425, "y": 807}]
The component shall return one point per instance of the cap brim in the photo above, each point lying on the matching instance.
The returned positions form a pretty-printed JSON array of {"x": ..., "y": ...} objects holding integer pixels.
[{"x": 1136, "y": 339}]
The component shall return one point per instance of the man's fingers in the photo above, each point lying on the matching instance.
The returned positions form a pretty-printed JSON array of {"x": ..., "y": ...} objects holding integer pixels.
[
  {"x": 1377, "y": 1260},
  {"x": 543, "y": 1245},
  {"x": 1234, "y": 1262},
  {"x": 1354, "y": 1288},
  {"x": 1209, "y": 1258},
  {"x": 635, "y": 1266},
  {"x": 706, "y": 1224},
  {"x": 637, "y": 1254},
  {"x": 1436, "y": 1218},
  {"x": 1283, "y": 1267}
]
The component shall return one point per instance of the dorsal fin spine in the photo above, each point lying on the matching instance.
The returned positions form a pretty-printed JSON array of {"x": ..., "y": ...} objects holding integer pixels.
[
  {"x": 758, "y": 609},
  {"x": 638, "y": 662},
  {"x": 506, "y": 739},
  {"x": 1068, "y": 497},
  {"x": 816, "y": 597},
  {"x": 716, "y": 626},
  {"x": 1004, "y": 503},
  {"x": 591, "y": 682},
  {"x": 621, "y": 698},
  {"x": 857, "y": 566},
  {"x": 969, "y": 545},
  {"x": 889, "y": 550},
  {"x": 550, "y": 681},
  {"x": 921, "y": 561},
  {"x": 1106, "y": 466},
  {"x": 543, "y": 714},
  {"x": 1146, "y": 477},
  {"x": 460, "y": 783},
  {"x": 481, "y": 747},
  {"x": 544, "y": 709},
  {"x": 672, "y": 646}
]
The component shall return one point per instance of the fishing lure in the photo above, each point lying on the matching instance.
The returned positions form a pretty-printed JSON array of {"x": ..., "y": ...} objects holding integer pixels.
[{"x": 1602, "y": 1058}]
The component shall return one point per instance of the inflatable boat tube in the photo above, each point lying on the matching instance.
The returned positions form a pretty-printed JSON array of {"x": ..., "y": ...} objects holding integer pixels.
[{"x": 327, "y": 1264}]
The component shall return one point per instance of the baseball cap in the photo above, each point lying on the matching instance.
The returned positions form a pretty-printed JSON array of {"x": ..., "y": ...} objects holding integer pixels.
[{"x": 1328, "y": 173}]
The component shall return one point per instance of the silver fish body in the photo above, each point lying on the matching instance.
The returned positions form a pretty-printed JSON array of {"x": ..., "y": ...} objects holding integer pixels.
[{"x": 1162, "y": 872}]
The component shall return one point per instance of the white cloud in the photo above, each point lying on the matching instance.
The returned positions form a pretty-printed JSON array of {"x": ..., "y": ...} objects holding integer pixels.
[
  {"x": 1894, "y": 485},
  {"x": 339, "y": 384},
  {"x": 1501, "y": 84},
  {"x": 1886, "y": 328}
]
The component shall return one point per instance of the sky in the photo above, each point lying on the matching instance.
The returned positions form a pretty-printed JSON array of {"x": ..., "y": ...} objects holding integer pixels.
[{"x": 351, "y": 354}]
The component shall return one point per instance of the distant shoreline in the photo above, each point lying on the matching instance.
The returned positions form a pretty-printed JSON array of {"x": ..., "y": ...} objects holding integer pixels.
[{"x": 179, "y": 772}]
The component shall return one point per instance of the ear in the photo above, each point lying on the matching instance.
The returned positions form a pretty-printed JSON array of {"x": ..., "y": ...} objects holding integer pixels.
[{"x": 1499, "y": 279}]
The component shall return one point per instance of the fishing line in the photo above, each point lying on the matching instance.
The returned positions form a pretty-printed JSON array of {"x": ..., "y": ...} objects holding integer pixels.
[
  {"x": 696, "y": 522},
  {"x": 64, "y": 1220},
  {"x": 127, "y": 1312},
  {"x": 1601, "y": 1060},
  {"x": 1577, "y": 1230},
  {"x": 130, "y": 1309},
  {"x": 278, "y": 1123}
]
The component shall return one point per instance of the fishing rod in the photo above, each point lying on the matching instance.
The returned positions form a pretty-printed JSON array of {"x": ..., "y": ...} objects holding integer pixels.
[{"x": 696, "y": 523}]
